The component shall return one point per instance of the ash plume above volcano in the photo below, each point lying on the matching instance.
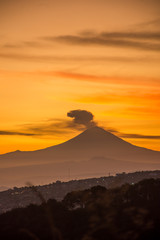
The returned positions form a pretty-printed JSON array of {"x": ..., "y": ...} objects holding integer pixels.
[{"x": 82, "y": 117}]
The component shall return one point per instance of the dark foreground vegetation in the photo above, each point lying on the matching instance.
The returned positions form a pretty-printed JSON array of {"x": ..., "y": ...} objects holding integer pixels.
[
  {"x": 24, "y": 196},
  {"x": 129, "y": 212}
]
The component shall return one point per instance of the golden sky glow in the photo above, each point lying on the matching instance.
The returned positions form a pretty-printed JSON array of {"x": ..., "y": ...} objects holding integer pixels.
[{"x": 98, "y": 55}]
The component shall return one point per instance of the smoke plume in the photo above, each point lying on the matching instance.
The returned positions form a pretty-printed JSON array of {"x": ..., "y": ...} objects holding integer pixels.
[{"x": 82, "y": 117}]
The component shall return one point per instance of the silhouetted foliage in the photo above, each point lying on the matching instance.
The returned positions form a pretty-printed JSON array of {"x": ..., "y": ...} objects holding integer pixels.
[
  {"x": 24, "y": 196},
  {"x": 130, "y": 212}
]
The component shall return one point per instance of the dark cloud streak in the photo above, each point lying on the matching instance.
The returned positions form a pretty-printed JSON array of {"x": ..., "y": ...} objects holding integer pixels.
[
  {"x": 133, "y": 35},
  {"x": 47, "y": 58},
  {"x": 24, "y": 44},
  {"x": 133, "y": 135},
  {"x": 10, "y": 133},
  {"x": 51, "y": 127},
  {"x": 152, "y": 23},
  {"x": 139, "y": 136},
  {"x": 81, "y": 120},
  {"x": 136, "y": 40}
]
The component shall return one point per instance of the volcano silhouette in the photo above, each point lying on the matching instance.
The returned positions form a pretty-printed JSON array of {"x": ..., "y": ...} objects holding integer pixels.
[{"x": 91, "y": 151}]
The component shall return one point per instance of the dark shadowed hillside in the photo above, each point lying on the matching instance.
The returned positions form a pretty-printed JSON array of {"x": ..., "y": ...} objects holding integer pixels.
[
  {"x": 22, "y": 197},
  {"x": 131, "y": 212}
]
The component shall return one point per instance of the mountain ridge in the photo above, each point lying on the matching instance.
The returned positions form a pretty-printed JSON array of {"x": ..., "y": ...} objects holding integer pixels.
[
  {"x": 91, "y": 143},
  {"x": 92, "y": 133},
  {"x": 91, "y": 152}
]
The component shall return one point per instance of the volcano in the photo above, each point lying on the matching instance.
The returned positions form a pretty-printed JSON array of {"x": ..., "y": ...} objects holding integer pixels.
[{"x": 94, "y": 151}]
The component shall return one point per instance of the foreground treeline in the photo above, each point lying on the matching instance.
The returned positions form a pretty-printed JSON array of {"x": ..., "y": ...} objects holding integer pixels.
[
  {"x": 24, "y": 196},
  {"x": 130, "y": 212}
]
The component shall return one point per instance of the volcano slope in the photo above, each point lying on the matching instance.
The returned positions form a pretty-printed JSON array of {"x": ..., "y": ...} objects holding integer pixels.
[{"x": 94, "y": 152}]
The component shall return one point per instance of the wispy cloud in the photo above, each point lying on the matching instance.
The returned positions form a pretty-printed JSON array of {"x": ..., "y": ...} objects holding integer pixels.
[
  {"x": 109, "y": 80},
  {"x": 133, "y": 135},
  {"x": 131, "y": 98},
  {"x": 106, "y": 79},
  {"x": 24, "y": 44},
  {"x": 52, "y": 127},
  {"x": 151, "y": 23},
  {"x": 57, "y": 127},
  {"x": 81, "y": 119},
  {"x": 153, "y": 111},
  {"x": 141, "y": 40},
  {"x": 12, "y": 133},
  {"x": 136, "y": 40},
  {"x": 71, "y": 58}
]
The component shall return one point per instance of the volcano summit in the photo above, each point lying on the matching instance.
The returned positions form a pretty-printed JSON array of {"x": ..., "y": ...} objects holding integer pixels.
[{"x": 92, "y": 153}]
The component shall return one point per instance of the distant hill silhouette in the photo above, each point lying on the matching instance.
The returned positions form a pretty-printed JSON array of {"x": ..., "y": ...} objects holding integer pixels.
[{"x": 93, "y": 152}]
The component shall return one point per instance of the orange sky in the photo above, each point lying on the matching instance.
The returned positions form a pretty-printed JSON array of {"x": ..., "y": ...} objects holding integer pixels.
[{"x": 98, "y": 55}]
